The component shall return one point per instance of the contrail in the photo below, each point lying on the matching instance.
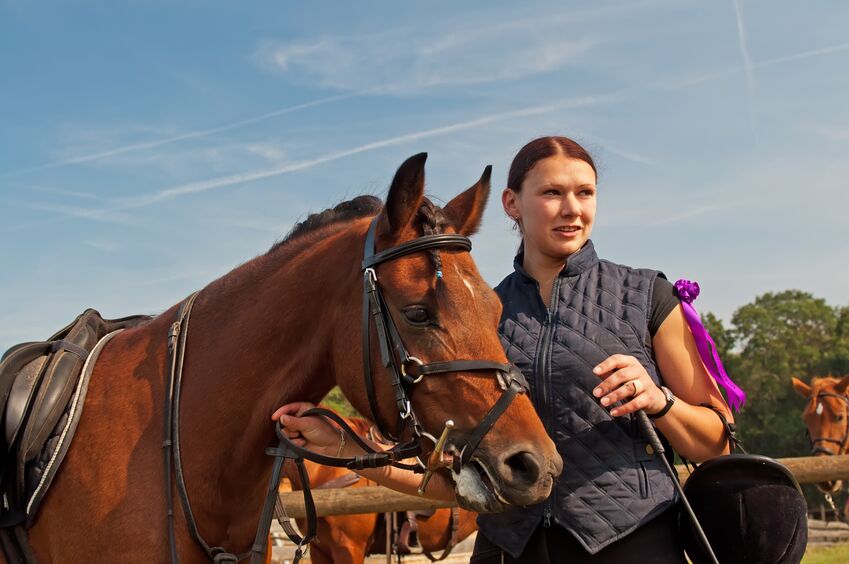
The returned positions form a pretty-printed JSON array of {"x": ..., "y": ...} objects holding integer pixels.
[
  {"x": 181, "y": 137},
  {"x": 205, "y": 185},
  {"x": 747, "y": 64},
  {"x": 805, "y": 55}
]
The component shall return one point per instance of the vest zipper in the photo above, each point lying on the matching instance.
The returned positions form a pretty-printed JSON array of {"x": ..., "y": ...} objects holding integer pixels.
[{"x": 543, "y": 378}]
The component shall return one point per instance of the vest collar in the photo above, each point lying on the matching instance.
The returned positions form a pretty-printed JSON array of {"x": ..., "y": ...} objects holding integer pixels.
[{"x": 576, "y": 263}]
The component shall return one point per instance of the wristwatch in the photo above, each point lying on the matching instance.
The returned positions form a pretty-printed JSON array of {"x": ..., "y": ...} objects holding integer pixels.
[{"x": 670, "y": 399}]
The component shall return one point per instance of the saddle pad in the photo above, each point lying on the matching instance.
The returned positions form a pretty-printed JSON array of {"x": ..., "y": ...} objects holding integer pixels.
[{"x": 50, "y": 458}]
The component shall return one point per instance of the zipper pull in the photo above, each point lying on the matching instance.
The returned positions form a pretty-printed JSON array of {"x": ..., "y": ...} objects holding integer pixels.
[{"x": 546, "y": 518}]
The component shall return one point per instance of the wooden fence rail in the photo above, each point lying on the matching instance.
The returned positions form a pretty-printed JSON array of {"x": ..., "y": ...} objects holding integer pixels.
[{"x": 807, "y": 469}]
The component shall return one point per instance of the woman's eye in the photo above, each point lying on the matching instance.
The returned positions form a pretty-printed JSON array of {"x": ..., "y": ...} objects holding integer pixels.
[{"x": 417, "y": 315}]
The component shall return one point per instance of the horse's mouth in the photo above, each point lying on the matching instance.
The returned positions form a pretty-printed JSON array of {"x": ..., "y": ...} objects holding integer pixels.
[
  {"x": 477, "y": 489},
  {"x": 830, "y": 487}
]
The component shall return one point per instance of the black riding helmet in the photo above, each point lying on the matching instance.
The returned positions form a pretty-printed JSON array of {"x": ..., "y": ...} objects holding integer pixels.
[{"x": 751, "y": 509}]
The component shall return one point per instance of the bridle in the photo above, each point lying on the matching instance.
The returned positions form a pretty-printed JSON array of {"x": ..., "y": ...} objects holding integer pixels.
[{"x": 403, "y": 370}]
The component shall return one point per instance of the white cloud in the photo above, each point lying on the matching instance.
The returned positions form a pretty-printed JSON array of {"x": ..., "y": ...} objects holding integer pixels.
[
  {"x": 417, "y": 62},
  {"x": 105, "y": 246},
  {"x": 829, "y": 131}
]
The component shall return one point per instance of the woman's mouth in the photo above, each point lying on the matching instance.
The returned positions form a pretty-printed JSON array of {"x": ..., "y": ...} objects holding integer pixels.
[{"x": 567, "y": 231}]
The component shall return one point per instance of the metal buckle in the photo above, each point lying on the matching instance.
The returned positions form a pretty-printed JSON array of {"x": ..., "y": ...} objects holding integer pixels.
[
  {"x": 414, "y": 360},
  {"x": 371, "y": 274},
  {"x": 409, "y": 409}
]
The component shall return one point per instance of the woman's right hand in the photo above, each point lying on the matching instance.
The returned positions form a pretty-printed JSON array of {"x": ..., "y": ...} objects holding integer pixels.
[{"x": 312, "y": 432}]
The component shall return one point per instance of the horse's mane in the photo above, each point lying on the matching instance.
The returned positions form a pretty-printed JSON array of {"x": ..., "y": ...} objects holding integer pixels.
[
  {"x": 361, "y": 206},
  {"x": 431, "y": 217}
]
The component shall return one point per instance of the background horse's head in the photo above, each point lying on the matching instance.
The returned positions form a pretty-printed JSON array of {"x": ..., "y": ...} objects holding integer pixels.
[
  {"x": 445, "y": 311},
  {"x": 827, "y": 417}
]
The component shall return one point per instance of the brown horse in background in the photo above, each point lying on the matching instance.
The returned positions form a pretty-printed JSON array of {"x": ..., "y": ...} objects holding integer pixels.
[
  {"x": 347, "y": 539},
  {"x": 285, "y": 327},
  {"x": 827, "y": 418}
]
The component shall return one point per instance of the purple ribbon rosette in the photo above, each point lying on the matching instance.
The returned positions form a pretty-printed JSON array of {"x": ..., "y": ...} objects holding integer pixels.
[{"x": 688, "y": 291}]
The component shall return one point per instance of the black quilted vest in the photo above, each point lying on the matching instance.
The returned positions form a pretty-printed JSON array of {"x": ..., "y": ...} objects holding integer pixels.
[{"x": 610, "y": 483}]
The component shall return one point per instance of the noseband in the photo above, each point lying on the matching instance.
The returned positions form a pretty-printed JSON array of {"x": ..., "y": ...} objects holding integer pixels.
[{"x": 403, "y": 370}]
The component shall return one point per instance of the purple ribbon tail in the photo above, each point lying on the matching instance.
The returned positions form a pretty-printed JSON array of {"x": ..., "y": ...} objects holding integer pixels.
[{"x": 707, "y": 350}]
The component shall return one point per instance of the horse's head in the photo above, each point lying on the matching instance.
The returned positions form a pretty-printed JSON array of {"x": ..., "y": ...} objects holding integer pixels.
[
  {"x": 827, "y": 417},
  {"x": 444, "y": 311}
]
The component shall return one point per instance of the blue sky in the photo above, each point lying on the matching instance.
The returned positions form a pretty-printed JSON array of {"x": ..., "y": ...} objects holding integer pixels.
[{"x": 146, "y": 148}]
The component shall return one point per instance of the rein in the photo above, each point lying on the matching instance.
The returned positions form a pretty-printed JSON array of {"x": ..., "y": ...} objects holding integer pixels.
[{"x": 403, "y": 370}]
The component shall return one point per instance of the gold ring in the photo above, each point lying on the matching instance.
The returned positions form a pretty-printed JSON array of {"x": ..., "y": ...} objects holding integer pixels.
[{"x": 637, "y": 386}]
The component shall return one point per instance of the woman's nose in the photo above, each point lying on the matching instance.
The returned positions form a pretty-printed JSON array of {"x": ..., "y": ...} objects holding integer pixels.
[{"x": 570, "y": 207}]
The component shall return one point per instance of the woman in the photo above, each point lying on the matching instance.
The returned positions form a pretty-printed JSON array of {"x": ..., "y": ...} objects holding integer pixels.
[{"x": 596, "y": 341}]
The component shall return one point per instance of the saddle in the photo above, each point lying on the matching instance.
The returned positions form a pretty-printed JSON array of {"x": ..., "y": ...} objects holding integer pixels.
[{"x": 37, "y": 385}]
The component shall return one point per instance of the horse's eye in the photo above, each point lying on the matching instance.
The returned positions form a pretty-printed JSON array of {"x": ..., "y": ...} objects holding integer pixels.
[
  {"x": 840, "y": 418},
  {"x": 417, "y": 315}
]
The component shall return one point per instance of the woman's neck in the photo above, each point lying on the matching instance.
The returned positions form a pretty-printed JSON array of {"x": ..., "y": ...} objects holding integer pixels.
[{"x": 544, "y": 269}]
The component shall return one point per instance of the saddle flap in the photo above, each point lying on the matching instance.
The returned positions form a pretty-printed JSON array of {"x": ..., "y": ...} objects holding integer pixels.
[
  {"x": 21, "y": 396},
  {"x": 16, "y": 396},
  {"x": 59, "y": 380}
]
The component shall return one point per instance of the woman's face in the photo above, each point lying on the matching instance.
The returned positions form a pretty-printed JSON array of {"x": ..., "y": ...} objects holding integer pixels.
[{"x": 555, "y": 206}]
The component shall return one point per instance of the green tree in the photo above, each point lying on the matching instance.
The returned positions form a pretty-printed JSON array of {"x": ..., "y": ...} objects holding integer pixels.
[
  {"x": 779, "y": 335},
  {"x": 337, "y": 401},
  {"x": 838, "y": 354},
  {"x": 722, "y": 337}
]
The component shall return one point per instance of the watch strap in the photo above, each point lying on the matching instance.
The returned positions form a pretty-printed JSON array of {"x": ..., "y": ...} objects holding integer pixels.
[{"x": 670, "y": 399}]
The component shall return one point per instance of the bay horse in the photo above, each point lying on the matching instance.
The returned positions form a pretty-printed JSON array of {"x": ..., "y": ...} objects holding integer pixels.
[
  {"x": 827, "y": 418},
  {"x": 347, "y": 539},
  {"x": 282, "y": 327}
]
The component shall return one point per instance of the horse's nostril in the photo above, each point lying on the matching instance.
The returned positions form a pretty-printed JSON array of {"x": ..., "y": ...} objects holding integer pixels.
[{"x": 524, "y": 467}]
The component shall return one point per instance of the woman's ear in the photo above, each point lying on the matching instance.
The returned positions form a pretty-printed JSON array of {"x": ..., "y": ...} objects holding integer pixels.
[{"x": 510, "y": 202}]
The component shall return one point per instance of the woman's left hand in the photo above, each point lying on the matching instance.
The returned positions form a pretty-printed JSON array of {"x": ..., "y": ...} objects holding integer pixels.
[{"x": 625, "y": 379}]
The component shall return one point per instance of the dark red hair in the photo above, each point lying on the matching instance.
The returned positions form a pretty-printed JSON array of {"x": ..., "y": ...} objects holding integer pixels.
[{"x": 542, "y": 148}]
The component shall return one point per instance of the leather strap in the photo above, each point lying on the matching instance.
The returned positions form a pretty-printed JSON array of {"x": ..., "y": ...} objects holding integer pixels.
[
  {"x": 452, "y": 539},
  {"x": 423, "y": 243}
]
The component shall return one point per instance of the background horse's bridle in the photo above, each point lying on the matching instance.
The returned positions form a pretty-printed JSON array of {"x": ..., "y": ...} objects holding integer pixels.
[{"x": 403, "y": 369}]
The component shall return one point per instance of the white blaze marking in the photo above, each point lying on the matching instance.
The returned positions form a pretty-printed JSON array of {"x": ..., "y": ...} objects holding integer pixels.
[
  {"x": 819, "y": 408},
  {"x": 466, "y": 282}
]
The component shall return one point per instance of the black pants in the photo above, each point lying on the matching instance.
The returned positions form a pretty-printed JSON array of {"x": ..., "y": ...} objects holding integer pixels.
[{"x": 656, "y": 542}]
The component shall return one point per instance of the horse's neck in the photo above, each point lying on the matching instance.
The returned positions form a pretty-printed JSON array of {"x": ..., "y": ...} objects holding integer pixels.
[{"x": 259, "y": 337}]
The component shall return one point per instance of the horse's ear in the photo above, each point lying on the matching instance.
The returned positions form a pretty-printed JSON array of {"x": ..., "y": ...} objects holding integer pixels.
[
  {"x": 466, "y": 210},
  {"x": 841, "y": 386},
  {"x": 405, "y": 196},
  {"x": 801, "y": 388}
]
